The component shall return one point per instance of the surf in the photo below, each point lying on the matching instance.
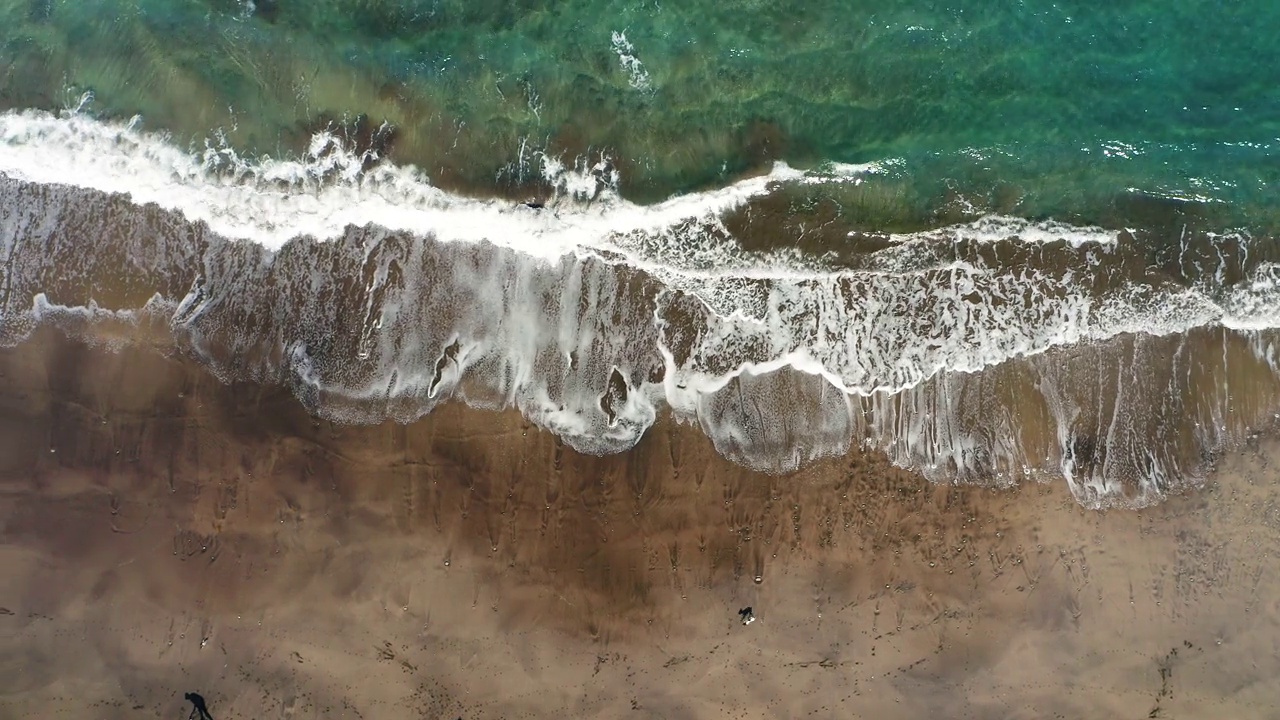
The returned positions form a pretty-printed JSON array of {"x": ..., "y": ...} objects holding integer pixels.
[{"x": 375, "y": 294}]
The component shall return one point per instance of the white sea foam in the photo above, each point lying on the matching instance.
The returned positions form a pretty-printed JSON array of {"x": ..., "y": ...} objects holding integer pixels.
[
  {"x": 538, "y": 313},
  {"x": 272, "y": 201},
  {"x": 631, "y": 65}
]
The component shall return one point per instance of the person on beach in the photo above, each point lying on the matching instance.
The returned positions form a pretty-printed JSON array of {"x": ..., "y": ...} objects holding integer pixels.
[{"x": 198, "y": 706}]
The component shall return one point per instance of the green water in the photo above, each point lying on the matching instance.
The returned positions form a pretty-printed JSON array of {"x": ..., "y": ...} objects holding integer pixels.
[{"x": 1077, "y": 109}]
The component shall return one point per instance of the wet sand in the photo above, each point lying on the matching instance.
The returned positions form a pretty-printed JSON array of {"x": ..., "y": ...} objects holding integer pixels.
[{"x": 162, "y": 533}]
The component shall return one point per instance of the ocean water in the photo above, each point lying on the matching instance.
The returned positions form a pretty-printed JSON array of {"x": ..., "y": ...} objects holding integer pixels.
[{"x": 1001, "y": 242}]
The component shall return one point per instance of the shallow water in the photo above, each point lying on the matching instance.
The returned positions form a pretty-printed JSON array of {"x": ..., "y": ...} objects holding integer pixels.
[
  {"x": 997, "y": 242},
  {"x": 1037, "y": 108}
]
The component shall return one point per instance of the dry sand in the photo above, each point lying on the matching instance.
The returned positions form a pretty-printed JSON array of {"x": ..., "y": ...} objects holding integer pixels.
[{"x": 163, "y": 533}]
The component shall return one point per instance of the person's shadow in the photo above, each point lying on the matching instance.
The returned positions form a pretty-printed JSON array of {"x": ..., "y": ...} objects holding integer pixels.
[{"x": 198, "y": 706}]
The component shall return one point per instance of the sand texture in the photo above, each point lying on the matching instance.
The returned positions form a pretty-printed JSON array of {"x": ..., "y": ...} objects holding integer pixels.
[{"x": 161, "y": 533}]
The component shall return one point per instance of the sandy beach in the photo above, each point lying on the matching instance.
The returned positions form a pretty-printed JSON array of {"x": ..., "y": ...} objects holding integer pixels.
[{"x": 163, "y": 533}]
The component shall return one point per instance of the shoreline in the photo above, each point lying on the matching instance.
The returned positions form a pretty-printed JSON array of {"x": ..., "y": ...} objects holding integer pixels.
[
  {"x": 463, "y": 564},
  {"x": 1122, "y": 383}
]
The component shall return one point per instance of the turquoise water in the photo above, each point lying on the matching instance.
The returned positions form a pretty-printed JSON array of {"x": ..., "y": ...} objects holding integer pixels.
[{"x": 1078, "y": 110}]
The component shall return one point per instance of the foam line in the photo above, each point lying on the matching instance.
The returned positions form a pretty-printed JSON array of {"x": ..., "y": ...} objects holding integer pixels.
[{"x": 595, "y": 314}]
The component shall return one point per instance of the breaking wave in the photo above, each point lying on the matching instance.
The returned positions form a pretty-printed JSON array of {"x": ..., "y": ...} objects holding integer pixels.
[{"x": 994, "y": 350}]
